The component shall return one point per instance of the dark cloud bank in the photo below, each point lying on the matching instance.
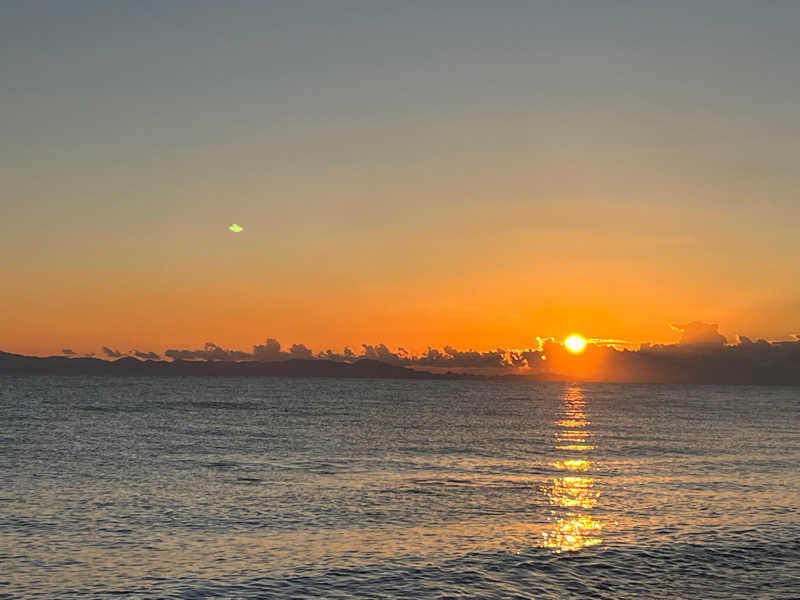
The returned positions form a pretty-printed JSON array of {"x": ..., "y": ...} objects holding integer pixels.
[
  {"x": 702, "y": 355},
  {"x": 449, "y": 358},
  {"x": 117, "y": 354}
]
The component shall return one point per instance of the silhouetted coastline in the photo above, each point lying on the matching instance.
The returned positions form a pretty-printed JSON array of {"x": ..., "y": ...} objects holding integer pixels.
[
  {"x": 728, "y": 365},
  {"x": 364, "y": 368}
]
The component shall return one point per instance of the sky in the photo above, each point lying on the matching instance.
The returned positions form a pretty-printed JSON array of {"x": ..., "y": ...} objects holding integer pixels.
[{"x": 413, "y": 174}]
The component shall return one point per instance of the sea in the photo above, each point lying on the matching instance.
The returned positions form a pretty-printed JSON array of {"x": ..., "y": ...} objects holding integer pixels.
[{"x": 226, "y": 487}]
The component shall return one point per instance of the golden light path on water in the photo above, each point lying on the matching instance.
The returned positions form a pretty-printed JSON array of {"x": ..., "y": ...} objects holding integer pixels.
[{"x": 572, "y": 495}]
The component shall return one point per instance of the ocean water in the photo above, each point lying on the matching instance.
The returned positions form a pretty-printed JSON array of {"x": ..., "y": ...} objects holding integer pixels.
[{"x": 300, "y": 488}]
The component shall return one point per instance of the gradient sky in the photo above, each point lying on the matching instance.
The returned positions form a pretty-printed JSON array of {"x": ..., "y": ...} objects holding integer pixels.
[{"x": 411, "y": 173}]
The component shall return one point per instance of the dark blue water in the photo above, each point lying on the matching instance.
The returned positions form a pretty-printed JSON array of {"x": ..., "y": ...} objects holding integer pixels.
[{"x": 290, "y": 488}]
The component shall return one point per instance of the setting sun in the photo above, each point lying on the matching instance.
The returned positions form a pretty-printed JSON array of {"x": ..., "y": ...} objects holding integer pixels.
[{"x": 575, "y": 343}]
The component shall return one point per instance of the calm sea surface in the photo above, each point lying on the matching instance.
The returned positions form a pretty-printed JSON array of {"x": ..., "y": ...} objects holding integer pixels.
[{"x": 295, "y": 488}]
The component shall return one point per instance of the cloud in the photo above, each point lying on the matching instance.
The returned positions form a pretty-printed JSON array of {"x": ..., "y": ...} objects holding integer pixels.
[
  {"x": 472, "y": 358},
  {"x": 382, "y": 353},
  {"x": 703, "y": 335},
  {"x": 448, "y": 358},
  {"x": 347, "y": 355},
  {"x": 530, "y": 358},
  {"x": 209, "y": 352},
  {"x": 300, "y": 351},
  {"x": 454, "y": 358},
  {"x": 696, "y": 337},
  {"x": 700, "y": 355},
  {"x": 269, "y": 351}
]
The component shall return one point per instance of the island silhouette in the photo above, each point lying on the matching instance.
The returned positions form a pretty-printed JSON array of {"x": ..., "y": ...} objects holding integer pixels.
[{"x": 744, "y": 363}]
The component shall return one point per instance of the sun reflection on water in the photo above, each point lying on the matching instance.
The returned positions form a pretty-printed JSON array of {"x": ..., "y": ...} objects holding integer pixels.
[
  {"x": 572, "y": 465},
  {"x": 570, "y": 495},
  {"x": 574, "y": 422},
  {"x": 578, "y": 447}
]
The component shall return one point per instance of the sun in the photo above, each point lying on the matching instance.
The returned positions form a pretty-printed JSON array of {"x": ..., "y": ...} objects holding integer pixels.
[{"x": 575, "y": 343}]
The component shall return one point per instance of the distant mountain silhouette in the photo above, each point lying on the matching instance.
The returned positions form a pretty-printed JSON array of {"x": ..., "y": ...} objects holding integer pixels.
[
  {"x": 364, "y": 368},
  {"x": 743, "y": 364}
]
